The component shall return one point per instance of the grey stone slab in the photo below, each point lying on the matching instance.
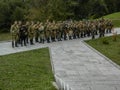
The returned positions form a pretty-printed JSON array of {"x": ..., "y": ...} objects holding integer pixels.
[{"x": 103, "y": 87}]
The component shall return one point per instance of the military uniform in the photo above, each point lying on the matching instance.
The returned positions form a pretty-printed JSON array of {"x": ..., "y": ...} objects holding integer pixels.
[
  {"x": 70, "y": 33},
  {"x": 102, "y": 29},
  {"x": 23, "y": 35},
  {"x": 93, "y": 31},
  {"x": 41, "y": 33},
  {"x": 109, "y": 27},
  {"x": 47, "y": 33},
  {"x": 31, "y": 33},
  {"x": 14, "y": 32},
  {"x": 59, "y": 32},
  {"x": 36, "y": 26},
  {"x": 27, "y": 33}
]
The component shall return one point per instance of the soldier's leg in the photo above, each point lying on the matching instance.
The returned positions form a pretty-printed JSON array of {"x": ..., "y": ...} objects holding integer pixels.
[
  {"x": 107, "y": 30},
  {"x": 16, "y": 41},
  {"x": 93, "y": 36},
  {"x": 31, "y": 41},
  {"x": 24, "y": 39},
  {"x": 13, "y": 41},
  {"x": 40, "y": 39},
  {"x": 21, "y": 40},
  {"x": 65, "y": 37},
  {"x": 43, "y": 40},
  {"x": 70, "y": 38},
  {"x": 47, "y": 39},
  {"x": 36, "y": 36},
  {"x": 110, "y": 30},
  {"x": 81, "y": 34},
  {"x": 84, "y": 34},
  {"x": 27, "y": 39}
]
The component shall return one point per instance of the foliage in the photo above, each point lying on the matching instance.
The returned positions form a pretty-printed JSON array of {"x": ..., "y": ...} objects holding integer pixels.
[
  {"x": 105, "y": 41},
  {"x": 54, "y": 10},
  {"x": 29, "y": 70}
]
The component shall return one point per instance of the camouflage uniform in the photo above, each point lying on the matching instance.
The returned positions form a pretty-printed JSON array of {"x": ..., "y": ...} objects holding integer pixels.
[
  {"x": 36, "y": 31},
  {"x": 23, "y": 34},
  {"x": 27, "y": 34},
  {"x": 109, "y": 26},
  {"x": 41, "y": 33},
  {"x": 47, "y": 32},
  {"x": 93, "y": 31},
  {"x": 14, "y": 32},
  {"x": 70, "y": 33},
  {"x": 102, "y": 29},
  {"x": 59, "y": 32},
  {"x": 31, "y": 33}
]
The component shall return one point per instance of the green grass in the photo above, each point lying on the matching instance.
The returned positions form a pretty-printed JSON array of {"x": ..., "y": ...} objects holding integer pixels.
[
  {"x": 115, "y": 17},
  {"x": 29, "y": 70},
  {"x": 5, "y": 36},
  {"x": 111, "y": 50}
]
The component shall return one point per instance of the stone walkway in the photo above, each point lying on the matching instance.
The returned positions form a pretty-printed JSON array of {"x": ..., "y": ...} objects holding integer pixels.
[{"x": 76, "y": 66}]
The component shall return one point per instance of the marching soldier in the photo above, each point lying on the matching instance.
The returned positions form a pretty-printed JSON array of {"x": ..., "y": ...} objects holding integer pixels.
[
  {"x": 42, "y": 33},
  {"x": 93, "y": 31},
  {"x": 109, "y": 26},
  {"x": 36, "y": 26},
  {"x": 14, "y": 32},
  {"x": 82, "y": 30},
  {"x": 53, "y": 31},
  {"x": 31, "y": 32},
  {"x": 47, "y": 32},
  {"x": 102, "y": 29},
  {"x": 59, "y": 31},
  {"x": 27, "y": 27},
  {"x": 23, "y": 34},
  {"x": 19, "y": 26},
  {"x": 70, "y": 33}
]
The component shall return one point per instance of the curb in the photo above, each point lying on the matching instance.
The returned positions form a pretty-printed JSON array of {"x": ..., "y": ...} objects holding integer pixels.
[{"x": 53, "y": 69}]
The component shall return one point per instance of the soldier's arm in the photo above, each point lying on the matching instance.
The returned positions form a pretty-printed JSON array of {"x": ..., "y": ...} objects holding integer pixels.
[{"x": 11, "y": 29}]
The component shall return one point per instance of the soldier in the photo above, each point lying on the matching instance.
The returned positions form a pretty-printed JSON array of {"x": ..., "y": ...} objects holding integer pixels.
[
  {"x": 93, "y": 30},
  {"x": 102, "y": 29},
  {"x": 109, "y": 26},
  {"x": 19, "y": 26},
  {"x": 82, "y": 29},
  {"x": 47, "y": 32},
  {"x": 14, "y": 32},
  {"x": 31, "y": 32},
  {"x": 53, "y": 31},
  {"x": 36, "y": 31},
  {"x": 59, "y": 31},
  {"x": 74, "y": 28},
  {"x": 27, "y": 27},
  {"x": 78, "y": 30},
  {"x": 23, "y": 34},
  {"x": 65, "y": 27},
  {"x": 70, "y": 33},
  {"x": 42, "y": 33},
  {"x": 88, "y": 29}
]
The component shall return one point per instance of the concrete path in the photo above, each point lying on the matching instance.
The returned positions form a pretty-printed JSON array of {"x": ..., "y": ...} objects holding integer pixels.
[{"x": 76, "y": 66}]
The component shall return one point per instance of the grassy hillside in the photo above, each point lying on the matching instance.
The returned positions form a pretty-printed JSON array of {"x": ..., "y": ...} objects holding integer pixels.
[{"x": 115, "y": 17}]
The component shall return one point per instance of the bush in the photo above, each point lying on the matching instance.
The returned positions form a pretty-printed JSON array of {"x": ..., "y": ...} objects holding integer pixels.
[{"x": 105, "y": 41}]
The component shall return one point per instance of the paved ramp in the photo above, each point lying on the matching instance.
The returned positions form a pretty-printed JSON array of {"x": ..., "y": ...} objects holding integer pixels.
[{"x": 77, "y": 67}]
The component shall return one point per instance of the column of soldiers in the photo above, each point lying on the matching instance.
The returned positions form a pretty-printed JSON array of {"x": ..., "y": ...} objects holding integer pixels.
[{"x": 24, "y": 33}]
